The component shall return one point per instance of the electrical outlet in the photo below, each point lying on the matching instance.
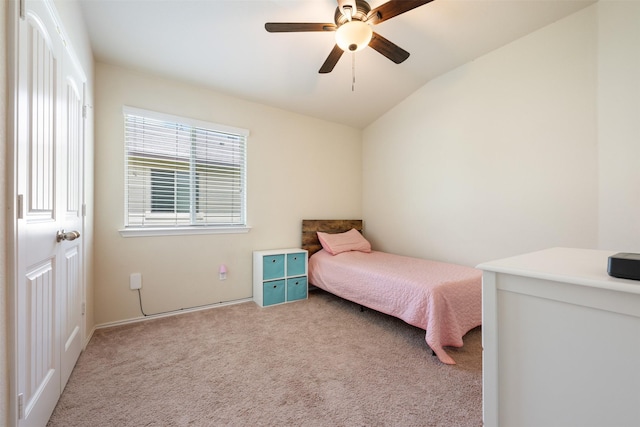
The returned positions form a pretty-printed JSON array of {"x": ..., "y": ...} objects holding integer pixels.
[{"x": 135, "y": 281}]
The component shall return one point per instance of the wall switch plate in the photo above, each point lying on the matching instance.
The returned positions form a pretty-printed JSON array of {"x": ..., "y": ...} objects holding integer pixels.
[{"x": 135, "y": 281}]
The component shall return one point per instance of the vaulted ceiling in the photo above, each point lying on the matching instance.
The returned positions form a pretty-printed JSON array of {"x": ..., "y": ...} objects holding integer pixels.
[{"x": 223, "y": 45}]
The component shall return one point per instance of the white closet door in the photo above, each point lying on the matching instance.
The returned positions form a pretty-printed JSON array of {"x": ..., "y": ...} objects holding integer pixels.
[{"x": 49, "y": 289}]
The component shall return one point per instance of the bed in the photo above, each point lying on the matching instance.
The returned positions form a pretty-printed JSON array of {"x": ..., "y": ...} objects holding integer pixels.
[{"x": 443, "y": 299}]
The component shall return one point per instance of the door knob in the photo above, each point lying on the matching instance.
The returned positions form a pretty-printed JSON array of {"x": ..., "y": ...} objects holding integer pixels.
[{"x": 68, "y": 235}]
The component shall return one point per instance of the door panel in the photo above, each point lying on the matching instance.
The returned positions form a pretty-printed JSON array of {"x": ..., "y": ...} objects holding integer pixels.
[
  {"x": 71, "y": 345},
  {"x": 40, "y": 358},
  {"x": 41, "y": 82}
]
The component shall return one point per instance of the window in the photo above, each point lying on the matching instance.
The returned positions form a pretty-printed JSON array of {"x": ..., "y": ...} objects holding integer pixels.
[{"x": 183, "y": 173}]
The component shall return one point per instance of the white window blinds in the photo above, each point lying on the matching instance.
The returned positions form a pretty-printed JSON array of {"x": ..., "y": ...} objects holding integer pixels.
[{"x": 182, "y": 172}]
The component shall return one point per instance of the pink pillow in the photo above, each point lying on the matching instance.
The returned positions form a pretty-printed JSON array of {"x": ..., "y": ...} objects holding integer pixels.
[{"x": 337, "y": 243}]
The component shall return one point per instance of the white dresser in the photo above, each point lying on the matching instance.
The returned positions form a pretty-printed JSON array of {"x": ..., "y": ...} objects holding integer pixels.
[{"x": 561, "y": 341}]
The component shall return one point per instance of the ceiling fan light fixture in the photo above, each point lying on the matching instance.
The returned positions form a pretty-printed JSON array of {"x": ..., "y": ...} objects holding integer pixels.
[{"x": 353, "y": 36}]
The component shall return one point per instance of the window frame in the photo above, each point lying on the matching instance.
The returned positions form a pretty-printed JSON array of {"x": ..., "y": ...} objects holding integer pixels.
[{"x": 183, "y": 229}]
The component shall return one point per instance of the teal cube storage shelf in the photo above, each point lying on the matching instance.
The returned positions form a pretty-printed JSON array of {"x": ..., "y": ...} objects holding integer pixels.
[{"x": 279, "y": 276}]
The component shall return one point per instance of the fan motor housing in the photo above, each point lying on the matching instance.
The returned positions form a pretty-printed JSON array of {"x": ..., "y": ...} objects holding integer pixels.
[{"x": 360, "y": 14}]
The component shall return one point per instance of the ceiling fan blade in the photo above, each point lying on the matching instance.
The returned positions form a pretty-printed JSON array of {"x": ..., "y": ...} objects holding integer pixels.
[
  {"x": 331, "y": 60},
  {"x": 294, "y": 27},
  {"x": 393, "y": 8},
  {"x": 388, "y": 49}
]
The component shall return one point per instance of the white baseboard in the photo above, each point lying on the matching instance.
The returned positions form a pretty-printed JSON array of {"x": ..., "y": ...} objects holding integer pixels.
[
  {"x": 88, "y": 338},
  {"x": 167, "y": 314}
]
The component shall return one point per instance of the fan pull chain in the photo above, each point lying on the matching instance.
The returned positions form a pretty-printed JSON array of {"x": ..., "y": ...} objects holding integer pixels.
[{"x": 353, "y": 72}]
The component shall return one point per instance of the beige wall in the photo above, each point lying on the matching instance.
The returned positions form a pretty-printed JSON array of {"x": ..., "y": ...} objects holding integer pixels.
[
  {"x": 298, "y": 167},
  {"x": 495, "y": 158},
  {"x": 619, "y": 124}
]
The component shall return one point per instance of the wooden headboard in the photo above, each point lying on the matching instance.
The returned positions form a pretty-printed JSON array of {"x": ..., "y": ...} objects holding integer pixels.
[{"x": 310, "y": 240}]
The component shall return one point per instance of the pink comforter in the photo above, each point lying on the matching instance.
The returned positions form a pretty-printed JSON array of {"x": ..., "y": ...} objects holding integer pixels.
[{"x": 444, "y": 299}]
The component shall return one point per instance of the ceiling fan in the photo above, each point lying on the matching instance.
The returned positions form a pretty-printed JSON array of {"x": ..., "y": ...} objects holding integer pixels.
[{"x": 353, "y": 21}]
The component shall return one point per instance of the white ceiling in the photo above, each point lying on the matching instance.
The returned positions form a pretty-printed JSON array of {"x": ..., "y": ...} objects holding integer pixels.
[{"x": 222, "y": 44}]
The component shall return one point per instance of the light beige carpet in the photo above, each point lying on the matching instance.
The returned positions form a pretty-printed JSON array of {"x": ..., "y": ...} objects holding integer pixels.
[{"x": 317, "y": 362}]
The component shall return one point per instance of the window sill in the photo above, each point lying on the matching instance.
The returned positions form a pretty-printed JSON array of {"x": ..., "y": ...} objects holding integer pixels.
[{"x": 181, "y": 231}]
